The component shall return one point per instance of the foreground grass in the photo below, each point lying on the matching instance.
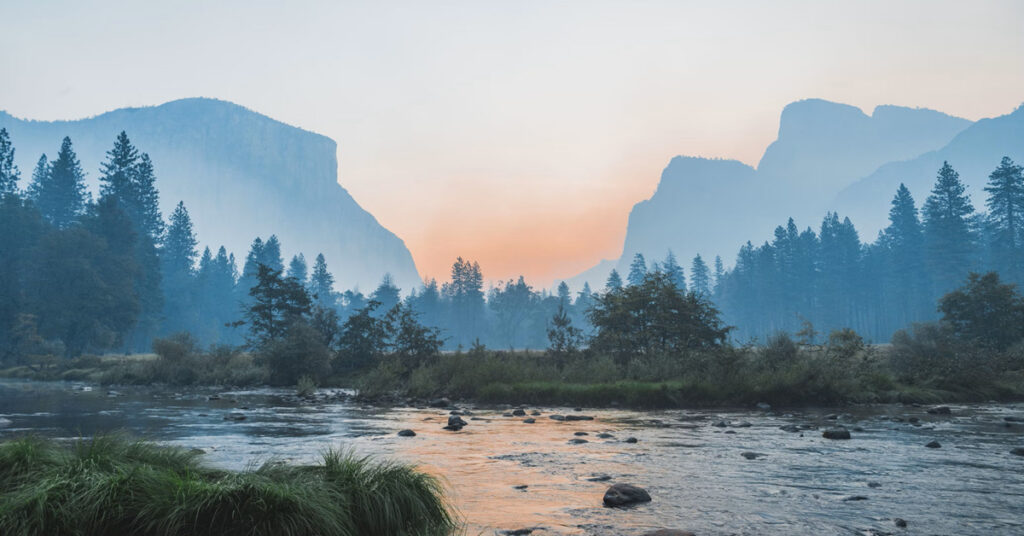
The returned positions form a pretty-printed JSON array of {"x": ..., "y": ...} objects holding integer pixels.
[{"x": 114, "y": 485}]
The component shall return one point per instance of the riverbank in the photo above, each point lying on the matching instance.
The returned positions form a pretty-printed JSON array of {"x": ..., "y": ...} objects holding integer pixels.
[{"x": 115, "y": 485}]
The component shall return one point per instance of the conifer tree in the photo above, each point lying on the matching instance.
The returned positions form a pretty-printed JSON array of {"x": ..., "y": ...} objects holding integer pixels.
[
  {"x": 118, "y": 179},
  {"x": 674, "y": 272},
  {"x": 1006, "y": 219},
  {"x": 637, "y": 270},
  {"x": 719, "y": 275},
  {"x": 60, "y": 192},
  {"x": 177, "y": 261},
  {"x": 271, "y": 256},
  {"x": 903, "y": 241},
  {"x": 297, "y": 269},
  {"x": 949, "y": 240},
  {"x": 9, "y": 173},
  {"x": 563, "y": 295},
  {"x": 700, "y": 277},
  {"x": 179, "y": 248},
  {"x": 321, "y": 283},
  {"x": 614, "y": 281},
  {"x": 387, "y": 293}
]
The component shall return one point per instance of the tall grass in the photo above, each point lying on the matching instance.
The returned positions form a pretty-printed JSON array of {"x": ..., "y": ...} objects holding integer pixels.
[{"x": 114, "y": 485}]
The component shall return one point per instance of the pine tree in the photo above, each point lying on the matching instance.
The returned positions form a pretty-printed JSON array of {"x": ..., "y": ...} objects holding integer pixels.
[
  {"x": 60, "y": 192},
  {"x": 903, "y": 241},
  {"x": 1006, "y": 219},
  {"x": 118, "y": 179},
  {"x": 147, "y": 200},
  {"x": 177, "y": 261},
  {"x": 387, "y": 293},
  {"x": 701, "y": 277},
  {"x": 321, "y": 283},
  {"x": 674, "y": 272},
  {"x": 637, "y": 270},
  {"x": 271, "y": 256},
  {"x": 719, "y": 275},
  {"x": 297, "y": 269},
  {"x": 949, "y": 240},
  {"x": 9, "y": 173},
  {"x": 614, "y": 281},
  {"x": 563, "y": 295}
]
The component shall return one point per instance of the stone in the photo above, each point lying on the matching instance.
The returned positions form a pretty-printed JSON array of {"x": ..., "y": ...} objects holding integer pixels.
[
  {"x": 631, "y": 440},
  {"x": 557, "y": 417},
  {"x": 577, "y": 441},
  {"x": 599, "y": 478},
  {"x": 751, "y": 455},
  {"x": 535, "y": 413},
  {"x": 580, "y": 433},
  {"x": 529, "y": 420},
  {"x": 836, "y": 433},
  {"x": 901, "y": 523},
  {"x": 604, "y": 435},
  {"x": 406, "y": 433},
  {"x": 456, "y": 420},
  {"x": 578, "y": 418},
  {"x": 519, "y": 413},
  {"x": 1019, "y": 451},
  {"x": 625, "y": 495},
  {"x": 934, "y": 445},
  {"x": 235, "y": 417},
  {"x": 940, "y": 410},
  {"x": 855, "y": 498}
]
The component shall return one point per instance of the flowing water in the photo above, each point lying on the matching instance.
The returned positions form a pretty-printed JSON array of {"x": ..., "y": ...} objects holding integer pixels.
[{"x": 691, "y": 462}]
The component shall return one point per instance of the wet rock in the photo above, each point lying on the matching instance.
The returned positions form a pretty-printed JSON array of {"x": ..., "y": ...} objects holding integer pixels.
[
  {"x": 934, "y": 445},
  {"x": 521, "y": 486},
  {"x": 940, "y": 410},
  {"x": 517, "y": 532},
  {"x": 439, "y": 403},
  {"x": 235, "y": 416},
  {"x": 631, "y": 440},
  {"x": 519, "y": 413},
  {"x": 577, "y": 441},
  {"x": 1013, "y": 419},
  {"x": 406, "y": 433},
  {"x": 836, "y": 433},
  {"x": 604, "y": 435},
  {"x": 1019, "y": 451},
  {"x": 455, "y": 412},
  {"x": 720, "y": 424},
  {"x": 578, "y": 418},
  {"x": 529, "y": 420},
  {"x": 506, "y": 415},
  {"x": 557, "y": 417},
  {"x": 455, "y": 423},
  {"x": 625, "y": 494},
  {"x": 855, "y": 498},
  {"x": 477, "y": 419},
  {"x": 580, "y": 433},
  {"x": 599, "y": 478},
  {"x": 742, "y": 424},
  {"x": 791, "y": 428},
  {"x": 751, "y": 455},
  {"x": 901, "y": 523},
  {"x": 730, "y": 431},
  {"x": 874, "y": 484},
  {"x": 669, "y": 532},
  {"x": 535, "y": 413}
]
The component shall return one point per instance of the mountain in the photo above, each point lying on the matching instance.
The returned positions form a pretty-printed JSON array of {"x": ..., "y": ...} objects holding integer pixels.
[
  {"x": 241, "y": 175},
  {"x": 974, "y": 153},
  {"x": 712, "y": 206}
]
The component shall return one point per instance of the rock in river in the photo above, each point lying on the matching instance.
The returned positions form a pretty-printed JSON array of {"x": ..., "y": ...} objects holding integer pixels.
[
  {"x": 940, "y": 410},
  {"x": 235, "y": 417},
  {"x": 836, "y": 433},
  {"x": 406, "y": 433},
  {"x": 669, "y": 532},
  {"x": 934, "y": 445},
  {"x": 530, "y": 420},
  {"x": 455, "y": 423},
  {"x": 625, "y": 494},
  {"x": 519, "y": 413},
  {"x": 751, "y": 455},
  {"x": 578, "y": 418},
  {"x": 577, "y": 441},
  {"x": 1019, "y": 451}
]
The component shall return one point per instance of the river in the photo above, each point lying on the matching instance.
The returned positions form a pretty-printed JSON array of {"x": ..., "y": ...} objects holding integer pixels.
[{"x": 691, "y": 462}]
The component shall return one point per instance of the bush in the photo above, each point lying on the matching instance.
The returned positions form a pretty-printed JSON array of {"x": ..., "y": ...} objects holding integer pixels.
[
  {"x": 300, "y": 353},
  {"x": 113, "y": 485}
]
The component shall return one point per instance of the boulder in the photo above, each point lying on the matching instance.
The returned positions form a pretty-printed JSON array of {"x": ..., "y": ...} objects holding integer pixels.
[
  {"x": 940, "y": 410},
  {"x": 439, "y": 403},
  {"x": 625, "y": 495},
  {"x": 934, "y": 445},
  {"x": 577, "y": 441},
  {"x": 406, "y": 433},
  {"x": 557, "y": 417},
  {"x": 1019, "y": 451},
  {"x": 455, "y": 423},
  {"x": 901, "y": 523},
  {"x": 529, "y": 420},
  {"x": 519, "y": 413},
  {"x": 580, "y": 433},
  {"x": 631, "y": 440},
  {"x": 751, "y": 455},
  {"x": 605, "y": 435},
  {"x": 578, "y": 418},
  {"x": 836, "y": 433}
]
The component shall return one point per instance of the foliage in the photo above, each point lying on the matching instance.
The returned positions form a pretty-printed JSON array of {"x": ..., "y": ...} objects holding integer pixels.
[
  {"x": 984, "y": 312},
  {"x": 277, "y": 305},
  {"x": 115, "y": 485}
]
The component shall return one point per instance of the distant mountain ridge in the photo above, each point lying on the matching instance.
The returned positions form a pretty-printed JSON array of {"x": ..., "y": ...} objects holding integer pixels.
[
  {"x": 713, "y": 206},
  {"x": 241, "y": 174}
]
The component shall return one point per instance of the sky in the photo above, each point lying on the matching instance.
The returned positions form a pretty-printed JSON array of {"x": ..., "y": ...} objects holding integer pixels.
[{"x": 520, "y": 133}]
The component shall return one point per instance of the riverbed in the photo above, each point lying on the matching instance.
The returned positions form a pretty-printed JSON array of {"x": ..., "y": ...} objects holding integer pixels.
[{"x": 709, "y": 472}]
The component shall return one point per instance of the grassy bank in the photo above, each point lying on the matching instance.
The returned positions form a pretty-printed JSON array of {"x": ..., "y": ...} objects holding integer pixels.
[
  {"x": 780, "y": 373},
  {"x": 113, "y": 485}
]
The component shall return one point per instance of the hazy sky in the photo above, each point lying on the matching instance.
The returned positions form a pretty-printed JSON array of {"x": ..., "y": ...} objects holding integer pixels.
[{"x": 515, "y": 133}]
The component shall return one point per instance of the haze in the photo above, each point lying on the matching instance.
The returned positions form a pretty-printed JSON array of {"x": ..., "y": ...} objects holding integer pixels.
[{"x": 517, "y": 134}]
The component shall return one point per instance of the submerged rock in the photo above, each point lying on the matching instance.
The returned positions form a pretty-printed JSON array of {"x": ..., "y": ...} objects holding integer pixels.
[
  {"x": 5, "y": 422},
  {"x": 535, "y": 413},
  {"x": 791, "y": 428},
  {"x": 519, "y": 413},
  {"x": 836, "y": 433},
  {"x": 604, "y": 435},
  {"x": 406, "y": 433},
  {"x": 1019, "y": 451},
  {"x": 934, "y": 445},
  {"x": 625, "y": 494},
  {"x": 529, "y": 420},
  {"x": 631, "y": 440},
  {"x": 751, "y": 455},
  {"x": 580, "y": 433},
  {"x": 855, "y": 498},
  {"x": 901, "y": 523},
  {"x": 599, "y": 478},
  {"x": 557, "y": 417},
  {"x": 578, "y": 418},
  {"x": 577, "y": 441},
  {"x": 940, "y": 410},
  {"x": 235, "y": 417}
]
